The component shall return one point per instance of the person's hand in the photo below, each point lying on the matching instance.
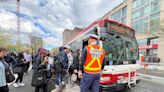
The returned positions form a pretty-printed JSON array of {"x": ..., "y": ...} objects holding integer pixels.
[
  {"x": 80, "y": 74},
  {"x": 75, "y": 71},
  {"x": 45, "y": 61}
]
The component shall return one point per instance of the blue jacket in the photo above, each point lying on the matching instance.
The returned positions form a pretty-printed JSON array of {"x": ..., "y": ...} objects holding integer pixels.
[{"x": 4, "y": 67}]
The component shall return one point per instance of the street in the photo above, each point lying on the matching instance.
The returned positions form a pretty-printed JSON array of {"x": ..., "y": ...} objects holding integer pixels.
[
  {"x": 106, "y": 43},
  {"x": 143, "y": 86}
]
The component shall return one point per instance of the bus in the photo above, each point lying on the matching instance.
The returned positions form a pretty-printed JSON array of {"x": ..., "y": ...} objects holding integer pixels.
[{"x": 121, "y": 53}]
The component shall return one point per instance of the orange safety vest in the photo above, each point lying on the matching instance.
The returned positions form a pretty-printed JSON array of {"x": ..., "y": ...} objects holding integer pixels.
[{"x": 94, "y": 59}]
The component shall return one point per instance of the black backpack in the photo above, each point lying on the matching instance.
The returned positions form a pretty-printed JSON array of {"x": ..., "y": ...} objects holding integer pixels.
[{"x": 57, "y": 68}]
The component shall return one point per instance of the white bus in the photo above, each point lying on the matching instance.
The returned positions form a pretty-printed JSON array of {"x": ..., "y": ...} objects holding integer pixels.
[{"x": 121, "y": 53}]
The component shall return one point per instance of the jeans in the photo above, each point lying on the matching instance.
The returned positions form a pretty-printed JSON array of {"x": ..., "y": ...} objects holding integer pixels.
[
  {"x": 90, "y": 80},
  {"x": 58, "y": 79}
]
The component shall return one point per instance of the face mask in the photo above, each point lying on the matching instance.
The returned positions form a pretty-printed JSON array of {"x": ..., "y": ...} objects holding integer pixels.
[{"x": 93, "y": 43}]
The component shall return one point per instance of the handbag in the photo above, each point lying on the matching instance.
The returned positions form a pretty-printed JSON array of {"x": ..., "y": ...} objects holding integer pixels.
[
  {"x": 38, "y": 78},
  {"x": 73, "y": 77},
  {"x": 9, "y": 77},
  {"x": 51, "y": 84},
  {"x": 18, "y": 70}
]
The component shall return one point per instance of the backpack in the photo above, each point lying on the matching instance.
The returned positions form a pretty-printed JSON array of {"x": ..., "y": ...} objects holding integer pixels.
[{"x": 57, "y": 68}]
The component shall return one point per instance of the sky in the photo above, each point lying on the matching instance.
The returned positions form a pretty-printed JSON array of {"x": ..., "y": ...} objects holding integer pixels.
[{"x": 49, "y": 18}]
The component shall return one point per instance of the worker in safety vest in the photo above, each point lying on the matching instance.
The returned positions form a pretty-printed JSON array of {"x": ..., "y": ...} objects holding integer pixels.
[{"x": 91, "y": 65}]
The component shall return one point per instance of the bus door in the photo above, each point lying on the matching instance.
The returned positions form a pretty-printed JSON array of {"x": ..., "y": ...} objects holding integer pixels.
[{"x": 85, "y": 42}]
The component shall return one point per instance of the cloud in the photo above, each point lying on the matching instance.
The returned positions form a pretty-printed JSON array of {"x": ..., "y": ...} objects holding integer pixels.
[
  {"x": 49, "y": 18},
  {"x": 7, "y": 20},
  {"x": 51, "y": 42}
]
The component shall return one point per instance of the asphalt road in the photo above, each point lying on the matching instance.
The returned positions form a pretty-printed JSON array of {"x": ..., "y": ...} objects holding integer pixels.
[
  {"x": 143, "y": 86},
  {"x": 146, "y": 86}
]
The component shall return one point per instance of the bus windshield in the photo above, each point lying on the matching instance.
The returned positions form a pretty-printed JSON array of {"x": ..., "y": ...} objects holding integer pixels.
[{"x": 120, "y": 46}]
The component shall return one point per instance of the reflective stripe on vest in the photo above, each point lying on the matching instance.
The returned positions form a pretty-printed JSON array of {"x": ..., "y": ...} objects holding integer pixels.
[{"x": 94, "y": 59}]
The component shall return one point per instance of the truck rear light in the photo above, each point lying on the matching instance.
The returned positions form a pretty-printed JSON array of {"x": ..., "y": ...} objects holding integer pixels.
[{"x": 105, "y": 79}]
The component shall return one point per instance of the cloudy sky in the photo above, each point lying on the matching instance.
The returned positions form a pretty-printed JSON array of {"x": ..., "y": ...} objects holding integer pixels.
[{"x": 48, "y": 18}]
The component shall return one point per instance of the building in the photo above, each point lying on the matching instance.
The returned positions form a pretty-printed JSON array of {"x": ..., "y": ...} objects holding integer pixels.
[
  {"x": 147, "y": 18},
  {"x": 69, "y": 34},
  {"x": 66, "y": 35}
]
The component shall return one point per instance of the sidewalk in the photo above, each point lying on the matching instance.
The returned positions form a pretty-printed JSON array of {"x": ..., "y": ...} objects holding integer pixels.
[{"x": 153, "y": 75}]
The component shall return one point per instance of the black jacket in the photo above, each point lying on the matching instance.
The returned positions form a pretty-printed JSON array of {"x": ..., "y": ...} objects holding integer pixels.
[
  {"x": 75, "y": 64},
  {"x": 63, "y": 59},
  {"x": 19, "y": 62}
]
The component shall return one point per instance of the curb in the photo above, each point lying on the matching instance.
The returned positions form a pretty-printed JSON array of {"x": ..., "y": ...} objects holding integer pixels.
[{"x": 151, "y": 78}]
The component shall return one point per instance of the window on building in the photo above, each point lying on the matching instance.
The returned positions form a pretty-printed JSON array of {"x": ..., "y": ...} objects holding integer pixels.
[
  {"x": 142, "y": 12},
  {"x": 124, "y": 11},
  {"x": 134, "y": 3},
  {"x": 145, "y": 24},
  {"x": 146, "y": 1},
  {"x": 135, "y": 15},
  {"x": 137, "y": 3},
  {"x": 147, "y": 10},
  {"x": 136, "y": 26},
  {"x": 154, "y": 25},
  {"x": 155, "y": 6},
  {"x": 120, "y": 16},
  {"x": 141, "y": 30},
  {"x": 123, "y": 20},
  {"x": 154, "y": 22}
]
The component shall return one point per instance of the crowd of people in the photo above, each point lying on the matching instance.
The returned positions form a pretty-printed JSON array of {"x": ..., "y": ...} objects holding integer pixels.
[
  {"x": 18, "y": 63},
  {"x": 55, "y": 71},
  {"x": 45, "y": 62}
]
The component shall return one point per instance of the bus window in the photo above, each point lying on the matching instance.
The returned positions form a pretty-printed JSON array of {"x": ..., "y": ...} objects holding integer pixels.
[
  {"x": 95, "y": 32},
  {"x": 120, "y": 48}
]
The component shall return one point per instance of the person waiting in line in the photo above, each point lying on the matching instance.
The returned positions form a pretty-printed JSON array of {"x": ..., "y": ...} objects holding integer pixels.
[
  {"x": 43, "y": 67},
  {"x": 3, "y": 68},
  {"x": 73, "y": 69},
  {"x": 19, "y": 70},
  {"x": 28, "y": 59},
  {"x": 91, "y": 65},
  {"x": 63, "y": 60},
  {"x": 40, "y": 64},
  {"x": 50, "y": 64},
  {"x": 70, "y": 63}
]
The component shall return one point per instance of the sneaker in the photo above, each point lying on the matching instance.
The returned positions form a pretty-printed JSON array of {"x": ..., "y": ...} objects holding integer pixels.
[
  {"x": 21, "y": 84},
  {"x": 15, "y": 85}
]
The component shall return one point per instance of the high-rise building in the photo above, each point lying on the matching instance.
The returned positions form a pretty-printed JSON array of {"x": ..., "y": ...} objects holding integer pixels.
[
  {"x": 147, "y": 18},
  {"x": 70, "y": 34},
  {"x": 66, "y": 35}
]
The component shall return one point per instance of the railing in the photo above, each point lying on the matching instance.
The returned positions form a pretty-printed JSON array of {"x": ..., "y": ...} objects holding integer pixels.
[{"x": 159, "y": 66}]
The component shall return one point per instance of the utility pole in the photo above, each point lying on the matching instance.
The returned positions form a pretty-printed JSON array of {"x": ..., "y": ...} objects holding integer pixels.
[{"x": 18, "y": 24}]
